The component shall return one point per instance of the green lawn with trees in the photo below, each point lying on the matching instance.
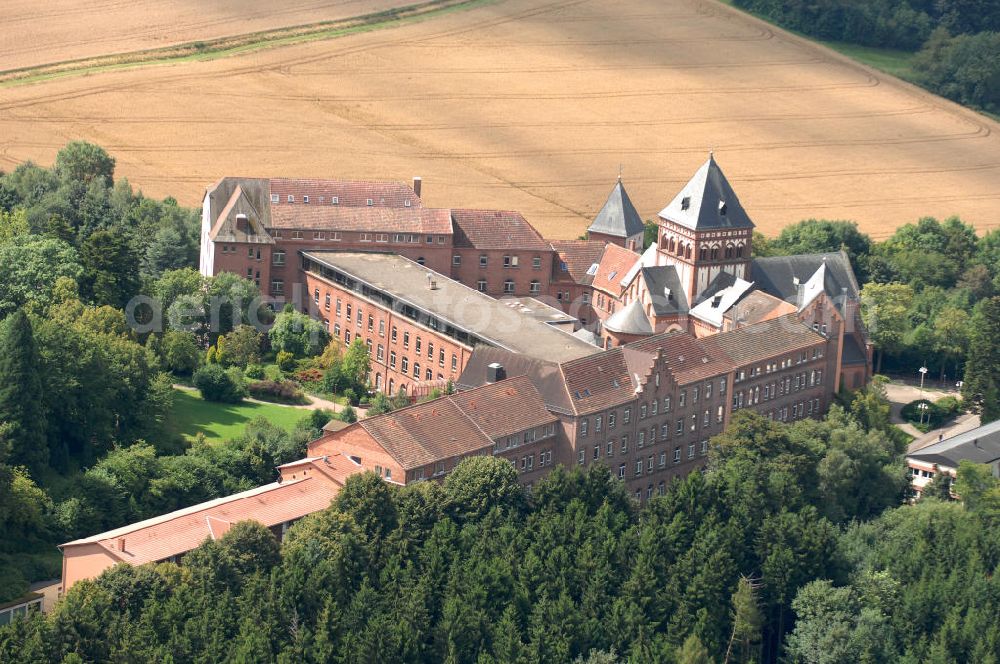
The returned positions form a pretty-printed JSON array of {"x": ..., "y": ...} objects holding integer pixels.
[{"x": 192, "y": 415}]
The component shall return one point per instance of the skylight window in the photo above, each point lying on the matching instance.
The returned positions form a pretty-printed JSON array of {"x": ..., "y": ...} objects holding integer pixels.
[
  {"x": 592, "y": 270},
  {"x": 275, "y": 198},
  {"x": 612, "y": 275}
]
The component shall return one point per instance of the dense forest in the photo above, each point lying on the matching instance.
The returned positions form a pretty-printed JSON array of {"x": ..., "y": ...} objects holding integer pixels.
[
  {"x": 958, "y": 40},
  {"x": 791, "y": 541},
  {"x": 792, "y": 546}
]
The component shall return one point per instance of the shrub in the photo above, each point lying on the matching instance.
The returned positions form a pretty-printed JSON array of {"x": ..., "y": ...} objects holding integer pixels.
[
  {"x": 271, "y": 390},
  {"x": 351, "y": 396},
  {"x": 216, "y": 384},
  {"x": 254, "y": 372},
  {"x": 933, "y": 417},
  {"x": 286, "y": 360},
  {"x": 312, "y": 375},
  {"x": 949, "y": 405},
  {"x": 347, "y": 415}
]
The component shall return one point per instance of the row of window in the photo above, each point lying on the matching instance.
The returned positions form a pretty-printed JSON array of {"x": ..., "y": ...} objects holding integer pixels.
[
  {"x": 509, "y": 261},
  {"x": 334, "y": 200},
  {"x": 524, "y": 438},
  {"x": 773, "y": 390},
  {"x": 774, "y": 366},
  {"x": 650, "y": 461},
  {"x": 535, "y": 287},
  {"x": 337, "y": 236},
  {"x": 651, "y": 408},
  {"x": 798, "y": 411}
]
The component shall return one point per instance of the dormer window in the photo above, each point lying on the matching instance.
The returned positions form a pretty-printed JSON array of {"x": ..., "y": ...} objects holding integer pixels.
[
  {"x": 371, "y": 202},
  {"x": 275, "y": 198},
  {"x": 722, "y": 208},
  {"x": 291, "y": 199},
  {"x": 406, "y": 203},
  {"x": 685, "y": 202},
  {"x": 335, "y": 200},
  {"x": 305, "y": 199}
]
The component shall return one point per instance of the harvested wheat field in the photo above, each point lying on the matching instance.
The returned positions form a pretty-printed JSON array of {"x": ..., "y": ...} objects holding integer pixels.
[
  {"x": 533, "y": 106},
  {"x": 37, "y": 33}
]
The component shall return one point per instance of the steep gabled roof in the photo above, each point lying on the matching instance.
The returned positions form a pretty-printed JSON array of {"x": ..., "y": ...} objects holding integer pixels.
[
  {"x": 707, "y": 202},
  {"x": 496, "y": 229},
  {"x": 578, "y": 257},
  {"x": 599, "y": 381},
  {"x": 665, "y": 290},
  {"x": 776, "y": 275},
  {"x": 618, "y": 217},
  {"x": 613, "y": 267}
]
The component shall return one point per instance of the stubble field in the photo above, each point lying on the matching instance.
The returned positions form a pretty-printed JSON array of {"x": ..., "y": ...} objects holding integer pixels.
[{"x": 533, "y": 106}]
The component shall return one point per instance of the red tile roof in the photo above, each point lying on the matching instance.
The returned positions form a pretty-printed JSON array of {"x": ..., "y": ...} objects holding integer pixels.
[
  {"x": 505, "y": 408},
  {"x": 578, "y": 256},
  {"x": 362, "y": 219},
  {"x": 598, "y": 381},
  {"x": 688, "y": 358},
  {"x": 181, "y": 531},
  {"x": 496, "y": 229},
  {"x": 614, "y": 265},
  {"x": 351, "y": 193},
  {"x": 769, "y": 339},
  {"x": 458, "y": 424}
]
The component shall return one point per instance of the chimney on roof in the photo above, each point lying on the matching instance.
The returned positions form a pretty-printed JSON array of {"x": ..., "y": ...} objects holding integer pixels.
[
  {"x": 432, "y": 283},
  {"x": 121, "y": 544},
  {"x": 417, "y": 181},
  {"x": 495, "y": 373}
]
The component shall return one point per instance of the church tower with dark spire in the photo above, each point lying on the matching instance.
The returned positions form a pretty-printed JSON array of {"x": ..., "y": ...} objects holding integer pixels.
[
  {"x": 705, "y": 232},
  {"x": 618, "y": 221}
]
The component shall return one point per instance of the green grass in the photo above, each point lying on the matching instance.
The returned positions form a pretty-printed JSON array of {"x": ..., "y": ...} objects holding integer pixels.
[
  {"x": 223, "y": 421},
  {"x": 891, "y": 61}
]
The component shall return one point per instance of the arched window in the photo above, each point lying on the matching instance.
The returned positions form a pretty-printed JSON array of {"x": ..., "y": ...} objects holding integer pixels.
[
  {"x": 703, "y": 253},
  {"x": 378, "y": 381},
  {"x": 715, "y": 252},
  {"x": 729, "y": 251},
  {"x": 392, "y": 385},
  {"x": 687, "y": 251},
  {"x": 673, "y": 245},
  {"x": 739, "y": 250}
]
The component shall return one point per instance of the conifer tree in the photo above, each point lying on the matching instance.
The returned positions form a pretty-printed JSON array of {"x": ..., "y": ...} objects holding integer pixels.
[{"x": 21, "y": 393}]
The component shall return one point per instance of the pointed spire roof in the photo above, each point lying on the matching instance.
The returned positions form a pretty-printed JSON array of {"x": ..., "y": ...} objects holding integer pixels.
[
  {"x": 618, "y": 217},
  {"x": 707, "y": 202}
]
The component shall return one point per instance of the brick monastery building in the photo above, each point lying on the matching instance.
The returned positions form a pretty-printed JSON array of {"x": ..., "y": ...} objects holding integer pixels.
[{"x": 562, "y": 352}]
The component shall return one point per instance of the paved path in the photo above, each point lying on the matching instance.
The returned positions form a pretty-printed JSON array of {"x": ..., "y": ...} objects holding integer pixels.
[
  {"x": 899, "y": 395},
  {"x": 315, "y": 403}
]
